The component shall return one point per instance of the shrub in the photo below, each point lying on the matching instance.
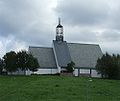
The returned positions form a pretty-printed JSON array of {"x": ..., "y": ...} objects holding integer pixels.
[{"x": 70, "y": 67}]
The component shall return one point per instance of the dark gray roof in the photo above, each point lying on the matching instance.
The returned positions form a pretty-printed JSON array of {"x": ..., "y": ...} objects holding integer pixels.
[
  {"x": 84, "y": 55},
  {"x": 44, "y": 55},
  {"x": 62, "y": 53}
]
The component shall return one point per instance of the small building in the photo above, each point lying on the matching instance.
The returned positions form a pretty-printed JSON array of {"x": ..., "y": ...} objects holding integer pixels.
[{"x": 54, "y": 59}]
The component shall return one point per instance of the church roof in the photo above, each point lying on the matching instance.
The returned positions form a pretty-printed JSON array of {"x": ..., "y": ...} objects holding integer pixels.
[
  {"x": 62, "y": 53},
  {"x": 44, "y": 55},
  {"x": 84, "y": 55}
]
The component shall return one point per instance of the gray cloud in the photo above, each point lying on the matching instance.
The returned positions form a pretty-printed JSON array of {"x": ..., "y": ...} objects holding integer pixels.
[
  {"x": 110, "y": 35},
  {"x": 83, "y": 12},
  {"x": 78, "y": 34},
  {"x": 91, "y": 13},
  {"x": 32, "y": 22},
  {"x": 25, "y": 20},
  {"x": 24, "y": 23}
]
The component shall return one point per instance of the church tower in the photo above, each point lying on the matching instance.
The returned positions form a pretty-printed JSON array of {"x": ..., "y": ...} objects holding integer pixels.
[{"x": 59, "y": 31}]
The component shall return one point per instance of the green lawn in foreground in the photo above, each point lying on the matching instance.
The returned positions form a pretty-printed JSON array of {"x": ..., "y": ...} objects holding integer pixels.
[{"x": 57, "y": 88}]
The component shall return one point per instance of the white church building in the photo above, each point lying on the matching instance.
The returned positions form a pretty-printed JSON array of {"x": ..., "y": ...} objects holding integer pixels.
[{"x": 53, "y": 60}]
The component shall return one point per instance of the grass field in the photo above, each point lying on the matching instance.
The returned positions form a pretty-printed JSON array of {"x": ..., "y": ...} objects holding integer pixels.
[{"x": 56, "y": 88}]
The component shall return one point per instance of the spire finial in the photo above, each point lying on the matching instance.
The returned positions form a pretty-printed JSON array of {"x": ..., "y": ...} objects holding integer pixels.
[
  {"x": 59, "y": 21},
  {"x": 59, "y": 31}
]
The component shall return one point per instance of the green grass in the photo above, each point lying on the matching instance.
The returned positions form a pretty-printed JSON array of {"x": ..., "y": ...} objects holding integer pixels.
[{"x": 56, "y": 88}]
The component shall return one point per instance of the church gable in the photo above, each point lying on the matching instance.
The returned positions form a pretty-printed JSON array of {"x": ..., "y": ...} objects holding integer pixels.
[
  {"x": 84, "y": 55},
  {"x": 62, "y": 53},
  {"x": 44, "y": 55}
]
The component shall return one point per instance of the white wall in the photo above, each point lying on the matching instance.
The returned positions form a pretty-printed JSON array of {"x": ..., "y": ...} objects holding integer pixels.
[
  {"x": 46, "y": 71},
  {"x": 82, "y": 71},
  {"x": 28, "y": 72},
  {"x": 54, "y": 71},
  {"x": 75, "y": 73},
  {"x": 19, "y": 72},
  {"x": 94, "y": 74},
  {"x": 86, "y": 71}
]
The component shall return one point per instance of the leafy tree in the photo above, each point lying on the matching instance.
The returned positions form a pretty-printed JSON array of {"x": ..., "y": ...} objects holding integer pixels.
[
  {"x": 1, "y": 65},
  {"x": 114, "y": 70},
  {"x": 22, "y": 58},
  {"x": 109, "y": 66},
  {"x": 32, "y": 63},
  {"x": 70, "y": 66},
  {"x": 26, "y": 61},
  {"x": 10, "y": 61}
]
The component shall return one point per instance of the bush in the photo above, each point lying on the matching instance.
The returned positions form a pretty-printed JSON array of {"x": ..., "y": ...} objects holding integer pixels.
[{"x": 70, "y": 67}]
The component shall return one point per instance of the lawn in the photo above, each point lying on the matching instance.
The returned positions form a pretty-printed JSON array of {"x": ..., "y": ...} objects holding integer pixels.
[{"x": 57, "y": 88}]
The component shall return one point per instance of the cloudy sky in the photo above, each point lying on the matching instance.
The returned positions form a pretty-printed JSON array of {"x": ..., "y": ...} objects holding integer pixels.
[{"x": 25, "y": 23}]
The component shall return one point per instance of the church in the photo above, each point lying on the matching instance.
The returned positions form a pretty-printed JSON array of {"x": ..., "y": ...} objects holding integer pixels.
[{"x": 54, "y": 60}]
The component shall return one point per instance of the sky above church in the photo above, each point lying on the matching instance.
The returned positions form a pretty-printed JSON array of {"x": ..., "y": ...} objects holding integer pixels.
[{"x": 25, "y": 23}]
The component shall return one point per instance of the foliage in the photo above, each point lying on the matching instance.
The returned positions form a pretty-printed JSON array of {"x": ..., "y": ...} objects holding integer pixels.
[
  {"x": 21, "y": 60},
  {"x": 70, "y": 66},
  {"x": 27, "y": 61},
  {"x": 10, "y": 61},
  {"x": 32, "y": 63},
  {"x": 109, "y": 66},
  {"x": 1, "y": 65}
]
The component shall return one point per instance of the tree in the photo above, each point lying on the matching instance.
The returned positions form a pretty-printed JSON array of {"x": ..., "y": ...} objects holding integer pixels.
[
  {"x": 70, "y": 66},
  {"x": 32, "y": 63},
  {"x": 22, "y": 58},
  {"x": 20, "y": 61},
  {"x": 109, "y": 66},
  {"x": 10, "y": 61},
  {"x": 114, "y": 69},
  {"x": 1, "y": 65},
  {"x": 26, "y": 61}
]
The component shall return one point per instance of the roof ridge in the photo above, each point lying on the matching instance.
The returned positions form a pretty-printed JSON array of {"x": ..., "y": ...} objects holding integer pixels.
[
  {"x": 39, "y": 47},
  {"x": 83, "y": 44}
]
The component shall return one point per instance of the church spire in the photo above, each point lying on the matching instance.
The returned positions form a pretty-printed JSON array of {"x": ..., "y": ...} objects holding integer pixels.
[
  {"x": 59, "y": 21},
  {"x": 59, "y": 31}
]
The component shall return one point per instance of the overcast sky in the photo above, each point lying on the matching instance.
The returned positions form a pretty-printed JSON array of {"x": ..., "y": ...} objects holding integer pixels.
[{"x": 25, "y": 23}]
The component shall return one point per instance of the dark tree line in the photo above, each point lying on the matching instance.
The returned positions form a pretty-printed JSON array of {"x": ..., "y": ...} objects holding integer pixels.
[
  {"x": 1, "y": 65},
  {"x": 12, "y": 62},
  {"x": 109, "y": 66}
]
